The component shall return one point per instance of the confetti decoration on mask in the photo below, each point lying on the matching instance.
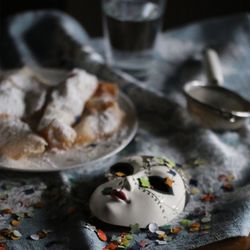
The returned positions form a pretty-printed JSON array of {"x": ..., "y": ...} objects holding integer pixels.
[
  {"x": 120, "y": 174},
  {"x": 172, "y": 172},
  {"x": 144, "y": 182},
  {"x": 169, "y": 182},
  {"x": 170, "y": 163}
]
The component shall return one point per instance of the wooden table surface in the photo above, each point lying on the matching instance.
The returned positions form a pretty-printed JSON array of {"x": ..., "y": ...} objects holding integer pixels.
[{"x": 238, "y": 243}]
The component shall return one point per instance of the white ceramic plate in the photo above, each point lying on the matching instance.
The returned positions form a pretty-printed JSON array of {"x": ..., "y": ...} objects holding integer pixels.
[{"x": 78, "y": 156}]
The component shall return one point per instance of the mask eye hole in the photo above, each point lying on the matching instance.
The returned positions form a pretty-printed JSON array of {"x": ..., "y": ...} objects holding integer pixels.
[
  {"x": 122, "y": 169},
  {"x": 159, "y": 184}
]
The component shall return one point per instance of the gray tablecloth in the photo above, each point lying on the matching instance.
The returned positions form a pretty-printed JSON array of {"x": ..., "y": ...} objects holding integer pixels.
[{"x": 58, "y": 202}]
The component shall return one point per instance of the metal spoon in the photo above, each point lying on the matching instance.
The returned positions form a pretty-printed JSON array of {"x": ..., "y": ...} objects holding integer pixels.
[{"x": 211, "y": 104}]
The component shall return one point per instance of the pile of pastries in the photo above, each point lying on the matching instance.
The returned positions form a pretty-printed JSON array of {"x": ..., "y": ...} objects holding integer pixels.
[{"x": 35, "y": 117}]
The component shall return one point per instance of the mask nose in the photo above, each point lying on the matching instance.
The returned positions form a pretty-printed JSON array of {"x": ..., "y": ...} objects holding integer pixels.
[{"x": 130, "y": 183}]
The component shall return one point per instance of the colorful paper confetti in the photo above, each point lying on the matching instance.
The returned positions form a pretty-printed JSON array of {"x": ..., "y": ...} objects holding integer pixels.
[
  {"x": 135, "y": 228},
  {"x": 208, "y": 197},
  {"x": 169, "y": 181},
  {"x": 153, "y": 227},
  {"x": 144, "y": 182},
  {"x": 195, "y": 227},
  {"x": 175, "y": 230},
  {"x": 15, "y": 235},
  {"x": 3, "y": 246},
  {"x": 101, "y": 235},
  {"x": 227, "y": 187},
  {"x": 185, "y": 222}
]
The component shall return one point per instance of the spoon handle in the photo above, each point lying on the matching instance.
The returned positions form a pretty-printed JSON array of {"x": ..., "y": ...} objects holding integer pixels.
[{"x": 213, "y": 67}]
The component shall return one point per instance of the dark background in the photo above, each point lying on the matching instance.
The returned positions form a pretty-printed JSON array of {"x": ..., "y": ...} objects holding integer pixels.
[{"x": 88, "y": 12}]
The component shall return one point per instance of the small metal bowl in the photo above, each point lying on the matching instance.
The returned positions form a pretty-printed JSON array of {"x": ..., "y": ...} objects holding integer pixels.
[
  {"x": 211, "y": 104},
  {"x": 216, "y": 107}
]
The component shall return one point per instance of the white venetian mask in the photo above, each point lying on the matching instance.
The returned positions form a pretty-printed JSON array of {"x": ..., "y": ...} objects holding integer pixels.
[{"x": 142, "y": 190}]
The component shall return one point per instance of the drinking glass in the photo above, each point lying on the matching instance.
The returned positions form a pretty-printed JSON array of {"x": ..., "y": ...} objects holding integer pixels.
[{"x": 131, "y": 28}]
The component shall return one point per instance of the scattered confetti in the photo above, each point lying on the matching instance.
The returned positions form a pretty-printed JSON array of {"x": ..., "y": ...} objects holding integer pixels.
[
  {"x": 194, "y": 190},
  {"x": 135, "y": 228},
  {"x": 15, "y": 223},
  {"x": 166, "y": 227},
  {"x": 226, "y": 178},
  {"x": 222, "y": 178},
  {"x": 227, "y": 187},
  {"x": 6, "y": 211},
  {"x": 206, "y": 219},
  {"x": 34, "y": 237},
  {"x": 5, "y": 232},
  {"x": 144, "y": 182},
  {"x": 161, "y": 235},
  {"x": 126, "y": 240},
  {"x": 144, "y": 243},
  {"x": 161, "y": 242},
  {"x": 153, "y": 227},
  {"x": 175, "y": 230},
  {"x": 101, "y": 235},
  {"x": 15, "y": 235},
  {"x": 208, "y": 197},
  {"x": 42, "y": 234},
  {"x": 111, "y": 246},
  {"x": 185, "y": 222},
  {"x": 3, "y": 246},
  {"x": 205, "y": 227},
  {"x": 195, "y": 227}
]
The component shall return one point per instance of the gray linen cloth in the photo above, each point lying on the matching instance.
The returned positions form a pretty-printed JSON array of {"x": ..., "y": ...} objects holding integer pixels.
[{"x": 53, "y": 39}]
